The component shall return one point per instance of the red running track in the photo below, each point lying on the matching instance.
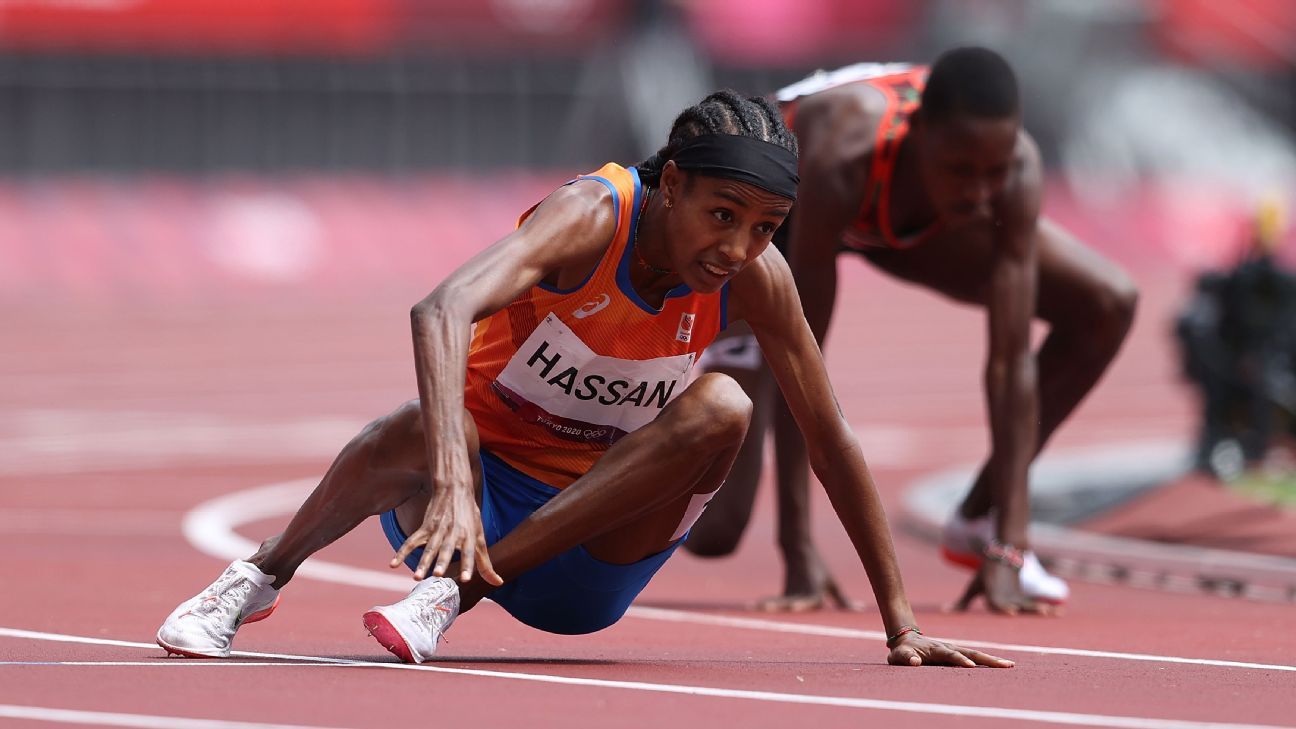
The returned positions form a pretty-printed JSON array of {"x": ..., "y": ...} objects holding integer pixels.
[{"x": 118, "y": 422}]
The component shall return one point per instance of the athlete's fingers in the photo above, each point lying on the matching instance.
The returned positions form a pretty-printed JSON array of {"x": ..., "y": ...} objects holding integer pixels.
[
  {"x": 412, "y": 542},
  {"x": 400, "y": 555},
  {"x": 485, "y": 568},
  {"x": 904, "y": 656},
  {"x": 449, "y": 543},
  {"x": 1003, "y": 608},
  {"x": 984, "y": 659},
  {"x": 953, "y": 657},
  {"x": 431, "y": 550},
  {"x": 1033, "y": 606},
  {"x": 429, "y": 554},
  {"x": 467, "y": 562}
]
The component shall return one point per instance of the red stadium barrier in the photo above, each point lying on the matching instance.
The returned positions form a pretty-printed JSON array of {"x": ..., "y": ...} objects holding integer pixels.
[{"x": 300, "y": 26}]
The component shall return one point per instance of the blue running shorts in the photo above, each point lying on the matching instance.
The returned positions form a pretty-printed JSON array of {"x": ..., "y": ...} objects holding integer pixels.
[{"x": 571, "y": 594}]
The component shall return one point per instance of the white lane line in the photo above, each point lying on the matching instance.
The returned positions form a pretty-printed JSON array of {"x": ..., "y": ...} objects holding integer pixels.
[
  {"x": 210, "y": 527},
  {"x": 827, "y": 631},
  {"x": 62, "y": 638},
  {"x": 163, "y": 663},
  {"x": 912, "y": 707},
  {"x": 106, "y": 718}
]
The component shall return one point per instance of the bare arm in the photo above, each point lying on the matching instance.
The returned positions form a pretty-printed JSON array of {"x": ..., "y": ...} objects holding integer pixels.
[
  {"x": 765, "y": 296},
  {"x": 1012, "y": 392},
  {"x": 568, "y": 230}
]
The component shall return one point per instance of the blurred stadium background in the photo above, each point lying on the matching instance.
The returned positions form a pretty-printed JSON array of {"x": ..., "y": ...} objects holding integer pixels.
[
  {"x": 214, "y": 150},
  {"x": 203, "y": 200}
]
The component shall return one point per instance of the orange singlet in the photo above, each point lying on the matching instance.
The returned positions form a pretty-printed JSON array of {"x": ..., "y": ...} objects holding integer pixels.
[
  {"x": 902, "y": 85},
  {"x": 558, "y": 376}
]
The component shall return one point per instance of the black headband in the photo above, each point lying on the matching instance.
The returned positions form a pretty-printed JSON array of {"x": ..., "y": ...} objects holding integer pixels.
[{"x": 745, "y": 159}]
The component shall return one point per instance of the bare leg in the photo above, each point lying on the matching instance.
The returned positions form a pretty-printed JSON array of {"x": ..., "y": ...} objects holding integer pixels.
[
  {"x": 380, "y": 469},
  {"x": 629, "y": 504}
]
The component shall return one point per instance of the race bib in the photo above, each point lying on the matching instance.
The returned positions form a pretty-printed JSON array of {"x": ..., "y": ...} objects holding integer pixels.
[{"x": 557, "y": 382}]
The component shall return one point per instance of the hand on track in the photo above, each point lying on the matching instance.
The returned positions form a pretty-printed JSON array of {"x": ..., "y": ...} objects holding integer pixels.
[
  {"x": 1001, "y": 585},
  {"x": 917, "y": 650}
]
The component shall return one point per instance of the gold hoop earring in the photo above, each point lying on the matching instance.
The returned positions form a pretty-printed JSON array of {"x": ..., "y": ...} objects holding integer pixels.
[{"x": 668, "y": 204}]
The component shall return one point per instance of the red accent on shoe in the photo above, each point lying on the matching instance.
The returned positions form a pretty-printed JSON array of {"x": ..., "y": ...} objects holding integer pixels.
[
  {"x": 962, "y": 559},
  {"x": 263, "y": 614},
  {"x": 386, "y": 634}
]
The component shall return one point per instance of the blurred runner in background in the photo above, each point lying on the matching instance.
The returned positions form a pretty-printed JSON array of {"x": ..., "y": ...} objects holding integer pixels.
[{"x": 929, "y": 176}]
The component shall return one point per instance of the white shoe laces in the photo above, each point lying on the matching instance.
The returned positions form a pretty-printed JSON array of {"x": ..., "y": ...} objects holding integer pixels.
[
  {"x": 432, "y": 611},
  {"x": 226, "y": 596}
]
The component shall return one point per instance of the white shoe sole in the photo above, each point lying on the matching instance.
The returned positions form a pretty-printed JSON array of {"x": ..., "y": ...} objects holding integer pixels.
[{"x": 186, "y": 653}]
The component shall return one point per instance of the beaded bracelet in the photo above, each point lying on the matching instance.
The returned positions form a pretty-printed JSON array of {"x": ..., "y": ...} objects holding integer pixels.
[
  {"x": 902, "y": 632},
  {"x": 1005, "y": 553}
]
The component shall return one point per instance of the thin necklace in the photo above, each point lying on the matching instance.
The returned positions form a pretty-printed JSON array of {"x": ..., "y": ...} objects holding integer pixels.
[{"x": 639, "y": 253}]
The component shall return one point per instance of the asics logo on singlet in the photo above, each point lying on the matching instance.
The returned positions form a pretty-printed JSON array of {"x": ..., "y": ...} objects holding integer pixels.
[{"x": 593, "y": 307}]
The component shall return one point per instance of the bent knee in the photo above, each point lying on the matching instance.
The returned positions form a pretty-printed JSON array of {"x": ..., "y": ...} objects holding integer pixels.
[
  {"x": 397, "y": 438},
  {"x": 718, "y": 411},
  {"x": 1113, "y": 311},
  {"x": 1119, "y": 300},
  {"x": 1107, "y": 311}
]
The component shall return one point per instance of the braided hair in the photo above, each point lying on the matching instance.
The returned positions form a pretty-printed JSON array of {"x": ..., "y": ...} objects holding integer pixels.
[{"x": 723, "y": 112}]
